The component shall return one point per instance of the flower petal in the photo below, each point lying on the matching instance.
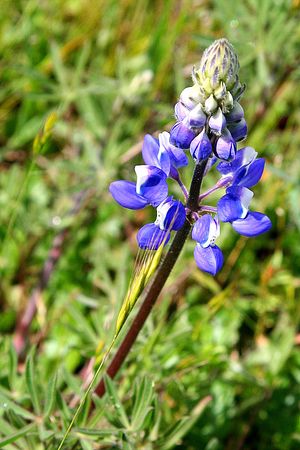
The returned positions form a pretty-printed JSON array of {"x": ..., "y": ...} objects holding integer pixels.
[
  {"x": 206, "y": 230},
  {"x": 201, "y": 146},
  {"x": 151, "y": 184},
  {"x": 226, "y": 146},
  {"x": 150, "y": 236},
  {"x": 197, "y": 117},
  {"x": 155, "y": 155},
  {"x": 124, "y": 192},
  {"x": 176, "y": 155},
  {"x": 250, "y": 175},
  {"x": 234, "y": 205},
  {"x": 238, "y": 130},
  {"x": 217, "y": 122},
  {"x": 209, "y": 259},
  {"x": 237, "y": 113},
  {"x": 170, "y": 215},
  {"x": 190, "y": 96},
  {"x": 181, "y": 135},
  {"x": 243, "y": 157},
  {"x": 253, "y": 224},
  {"x": 181, "y": 111}
]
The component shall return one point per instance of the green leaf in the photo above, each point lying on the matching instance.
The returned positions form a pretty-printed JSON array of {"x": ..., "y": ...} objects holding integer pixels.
[
  {"x": 6, "y": 403},
  {"x": 17, "y": 435},
  {"x": 142, "y": 404},
  {"x": 98, "y": 433},
  {"x": 50, "y": 396},
  {"x": 31, "y": 382},
  {"x": 114, "y": 398},
  {"x": 12, "y": 368},
  {"x": 86, "y": 445}
]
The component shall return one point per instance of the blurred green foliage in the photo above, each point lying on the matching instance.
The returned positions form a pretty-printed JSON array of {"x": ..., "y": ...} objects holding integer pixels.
[{"x": 111, "y": 70}]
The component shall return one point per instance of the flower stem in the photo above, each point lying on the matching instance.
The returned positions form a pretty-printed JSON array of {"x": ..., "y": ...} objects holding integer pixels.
[
  {"x": 183, "y": 188},
  {"x": 158, "y": 281}
]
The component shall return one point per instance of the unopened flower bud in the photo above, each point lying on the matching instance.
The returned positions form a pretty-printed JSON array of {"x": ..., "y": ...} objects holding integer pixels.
[
  {"x": 197, "y": 117},
  {"x": 238, "y": 130},
  {"x": 180, "y": 111},
  {"x": 190, "y": 96},
  {"x": 237, "y": 113},
  {"x": 181, "y": 135},
  {"x": 210, "y": 105},
  {"x": 220, "y": 91},
  {"x": 217, "y": 122},
  {"x": 226, "y": 147},
  {"x": 201, "y": 146},
  {"x": 227, "y": 103},
  {"x": 219, "y": 63}
]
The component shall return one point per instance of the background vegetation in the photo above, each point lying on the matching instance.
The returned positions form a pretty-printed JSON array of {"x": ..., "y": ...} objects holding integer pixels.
[{"x": 217, "y": 365}]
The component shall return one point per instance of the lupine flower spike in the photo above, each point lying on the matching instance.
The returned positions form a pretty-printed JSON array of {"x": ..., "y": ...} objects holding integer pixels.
[{"x": 209, "y": 123}]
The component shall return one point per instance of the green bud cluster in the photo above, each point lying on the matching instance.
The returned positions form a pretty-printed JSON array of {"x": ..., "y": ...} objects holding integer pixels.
[{"x": 216, "y": 82}]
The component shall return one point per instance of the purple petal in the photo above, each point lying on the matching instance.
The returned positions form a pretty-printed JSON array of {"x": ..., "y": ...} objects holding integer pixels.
[
  {"x": 181, "y": 135},
  {"x": 201, "y": 146},
  {"x": 206, "y": 230},
  {"x": 124, "y": 192},
  {"x": 243, "y": 157},
  {"x": 253, "y": 224},
  {"x": 236, "y": 114},
  {"x": 234, "y": 205},
  {"x": 170, "y": 215},
  {"x": 238, "y": 130},
  {"x": 181, "y": 111},
  {"x": 251, "y": 174},
  {"x": 150, "y": 237},
  {"x": 176, "y": 155},
  {"x": 209, "y": 259},
  {"x": 189, "y": 97},
  {"x": 154, "y": 155},
  {"x": 217, "y": 122},
  {"x": 226, "y": 146},
  {"x": 151, "y": 184},
  {"x": 197, "y": 117}
]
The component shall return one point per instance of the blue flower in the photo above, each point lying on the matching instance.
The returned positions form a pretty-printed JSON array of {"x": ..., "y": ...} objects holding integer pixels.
[
  {"x": 234, "y": 208},
  {"x": 150, "y": 189},
  {"x": 201, "y": 146},
  {"x": 210, "y": 122},
  {"x": 217, "y": 122},
  {"x": 170, "y": 216},
  {"x": 226, "y": 146},
  {"x": 235, "y": 204},
  {"x": 238, "y": 130},
  {"x": 161, "y": 153},
  {"x": 181, "y": 135},
  {"x": 245, "y": 170},
  {"x": 236, "y": 114},
  {"x": 208, "y": 256}
]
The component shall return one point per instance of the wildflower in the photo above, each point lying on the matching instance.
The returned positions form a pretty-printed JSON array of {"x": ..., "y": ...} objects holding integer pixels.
[
  {"x": 170, "y": 216},
  {"x": 210, "y": 123},
  {"x": 150, "y": 189}
]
